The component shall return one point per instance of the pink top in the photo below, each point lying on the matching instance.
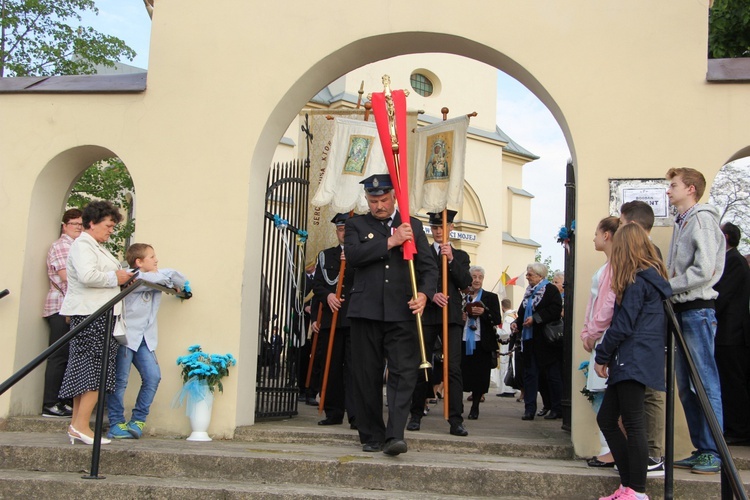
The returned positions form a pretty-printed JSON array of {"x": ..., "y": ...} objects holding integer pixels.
[{"x": 601, "y": 305}]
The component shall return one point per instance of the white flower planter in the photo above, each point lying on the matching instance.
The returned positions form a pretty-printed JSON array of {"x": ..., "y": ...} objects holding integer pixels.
[{"x": 200, "y": 416}]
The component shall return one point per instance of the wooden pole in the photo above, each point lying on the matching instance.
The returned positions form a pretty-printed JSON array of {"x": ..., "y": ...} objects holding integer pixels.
[
  {"x": 331, "y": 337},
  {"x": 360, "y": 92},
  {"x": 314, "y": 347},
  {"x": 444, "y": 263},
  {"x": 444, "y": 259}
]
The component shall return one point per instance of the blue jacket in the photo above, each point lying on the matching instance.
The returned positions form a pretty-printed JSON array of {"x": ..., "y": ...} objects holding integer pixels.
[{"x": 633, "y": 345}]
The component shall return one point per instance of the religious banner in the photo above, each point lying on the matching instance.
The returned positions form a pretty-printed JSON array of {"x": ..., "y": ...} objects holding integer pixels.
[
  {"x": 389, "y": 108},
  {"x": 439, "y": 165},
  {"x": 355, "y": 154}
]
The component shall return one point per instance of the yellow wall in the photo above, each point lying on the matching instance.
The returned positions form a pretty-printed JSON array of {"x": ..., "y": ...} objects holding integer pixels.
[{"x": 199, "y": 141}]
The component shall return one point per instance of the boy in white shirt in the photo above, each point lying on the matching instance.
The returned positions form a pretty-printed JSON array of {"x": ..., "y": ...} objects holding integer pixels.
[{"x": 140, "y": 308}]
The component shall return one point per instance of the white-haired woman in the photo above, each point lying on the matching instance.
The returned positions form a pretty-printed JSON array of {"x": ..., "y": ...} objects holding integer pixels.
[
  {"x": 479, "y": 339},
  {"x": 541, "y": 304}
]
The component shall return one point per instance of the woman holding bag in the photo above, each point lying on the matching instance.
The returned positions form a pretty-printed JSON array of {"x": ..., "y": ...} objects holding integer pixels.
[
  {"x": 598, "y": 317},
  {"x": 94, "y": 277},
  {"x": 541, "y": 305}
]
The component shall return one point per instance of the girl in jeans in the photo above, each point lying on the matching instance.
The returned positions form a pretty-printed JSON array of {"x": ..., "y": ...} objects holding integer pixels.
[{"x": 632, "y": 354}]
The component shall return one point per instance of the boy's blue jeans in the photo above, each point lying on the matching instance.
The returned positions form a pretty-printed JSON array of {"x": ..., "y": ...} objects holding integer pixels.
[
  {"x": 148, "y": 367},
  {"x": 699, "y": 329}
]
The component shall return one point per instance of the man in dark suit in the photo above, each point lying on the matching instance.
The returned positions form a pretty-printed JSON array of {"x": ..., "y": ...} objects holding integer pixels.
[
  {"x": 304, "y": 345},
  {"x": 382, "y": 311},
  {"x": 732, "y": 342},
  {"x": 458, "y": 279},
  {"x": 339, "y": 390}
]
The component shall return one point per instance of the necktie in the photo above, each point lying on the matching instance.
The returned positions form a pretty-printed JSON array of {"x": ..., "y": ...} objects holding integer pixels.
[{"x": 386, "y": 222}]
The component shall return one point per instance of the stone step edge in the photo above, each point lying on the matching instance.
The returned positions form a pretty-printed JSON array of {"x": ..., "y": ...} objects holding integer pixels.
[
  {"x": 30, "y": 484},
  {"x": 416, "y": 440},
  {"x": 422, "y": 441},
  {"x": 534, "y": 477}
]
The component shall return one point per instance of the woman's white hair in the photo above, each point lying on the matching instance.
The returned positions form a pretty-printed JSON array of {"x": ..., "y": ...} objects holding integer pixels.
[
  {"x": 478, "y": 269},
  {"x": 537, "y": 268}
]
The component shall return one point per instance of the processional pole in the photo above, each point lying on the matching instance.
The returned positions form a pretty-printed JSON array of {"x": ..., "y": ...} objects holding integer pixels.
[{"x": 390, "y": 117}]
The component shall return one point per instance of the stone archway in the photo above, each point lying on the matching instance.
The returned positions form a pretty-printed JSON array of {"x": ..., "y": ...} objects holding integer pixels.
[
  {"x": 343, "y": 60},
  {"x": 48, "y": 198}
]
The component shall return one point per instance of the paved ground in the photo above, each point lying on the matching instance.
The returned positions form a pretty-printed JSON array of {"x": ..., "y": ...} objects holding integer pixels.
[{"x": 499, "y": 419}]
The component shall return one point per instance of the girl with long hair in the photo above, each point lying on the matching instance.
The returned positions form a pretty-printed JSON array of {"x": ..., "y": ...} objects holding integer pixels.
[
  {"x": 599, "y": 310},
  {"x": 631, "y": 354}
]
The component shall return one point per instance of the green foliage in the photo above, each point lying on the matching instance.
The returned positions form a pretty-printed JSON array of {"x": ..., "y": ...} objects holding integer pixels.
[
  {"x": 38, "y": 39},
  {"x": 107, "y": 180},
  {"x": 729, "y": 29},
  {"x": 547, "y": 262}
]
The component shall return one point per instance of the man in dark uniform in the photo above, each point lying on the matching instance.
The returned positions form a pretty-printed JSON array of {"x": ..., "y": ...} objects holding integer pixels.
[
  {"x": 339, "y": 389},
  {"x": 382, "y": 312},
  {"x": 459, "y": 279},
  {"x": 732, "y": 342},
  {"x": 306, "y": 394}
]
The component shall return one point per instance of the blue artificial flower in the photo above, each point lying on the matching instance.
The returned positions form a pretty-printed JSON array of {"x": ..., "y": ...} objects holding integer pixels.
[
  {"x": 583, "y": 365},
  {"x": 205, "y": 368}
]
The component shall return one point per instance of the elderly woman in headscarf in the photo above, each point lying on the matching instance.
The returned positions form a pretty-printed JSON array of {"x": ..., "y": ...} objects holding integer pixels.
[{"x": 541, "y": 305}]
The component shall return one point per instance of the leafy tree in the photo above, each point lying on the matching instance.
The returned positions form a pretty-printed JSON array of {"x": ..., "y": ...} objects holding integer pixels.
[
  {"x": 108, "y": 180},
  {"x": 730, "y": 193},
  {"x": 547, "y": 262},
  {"x": 729, "y": 29},
  {"x": 38, "y": 40}
]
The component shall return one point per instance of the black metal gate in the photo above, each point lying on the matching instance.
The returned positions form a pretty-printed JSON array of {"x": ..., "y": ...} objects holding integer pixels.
[{"x": 282, "y": 328}]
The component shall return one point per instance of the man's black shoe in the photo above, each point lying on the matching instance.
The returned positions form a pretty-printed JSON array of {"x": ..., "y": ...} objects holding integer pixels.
[
  {"x": 542, "y": 412},
  {"x": 353, "y": 425},
  {"x": 311, "y": 402},
  {"x": 458, "y": 430},
  {"x": 331, "y": 421},
  {"x": 56, "y": 411},
  {"x": 413, "y": 425},
  {"x": 394, "y": 447},
  {"x": 372, "y": 447},
  {"x": 528, "y": 416},
  {"x": 552, "y": 415}
]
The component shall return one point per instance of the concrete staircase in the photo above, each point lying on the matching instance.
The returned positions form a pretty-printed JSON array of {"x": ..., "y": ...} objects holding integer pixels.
[{"x": 502, "y": 458}]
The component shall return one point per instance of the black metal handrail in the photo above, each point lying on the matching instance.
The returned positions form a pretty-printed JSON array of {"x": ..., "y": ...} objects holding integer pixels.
[
  {"x": 42, "y": 357},
  {"x": 731, "y": 483}
]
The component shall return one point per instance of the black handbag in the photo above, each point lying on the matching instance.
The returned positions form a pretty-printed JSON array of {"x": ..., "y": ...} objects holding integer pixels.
[
  {"x": 553, "y": 331},
  {"x": 510, "y": 374}
]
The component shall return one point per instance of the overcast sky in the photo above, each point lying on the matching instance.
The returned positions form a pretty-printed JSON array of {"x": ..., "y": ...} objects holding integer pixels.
[{"x": 519, "y": 113}]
